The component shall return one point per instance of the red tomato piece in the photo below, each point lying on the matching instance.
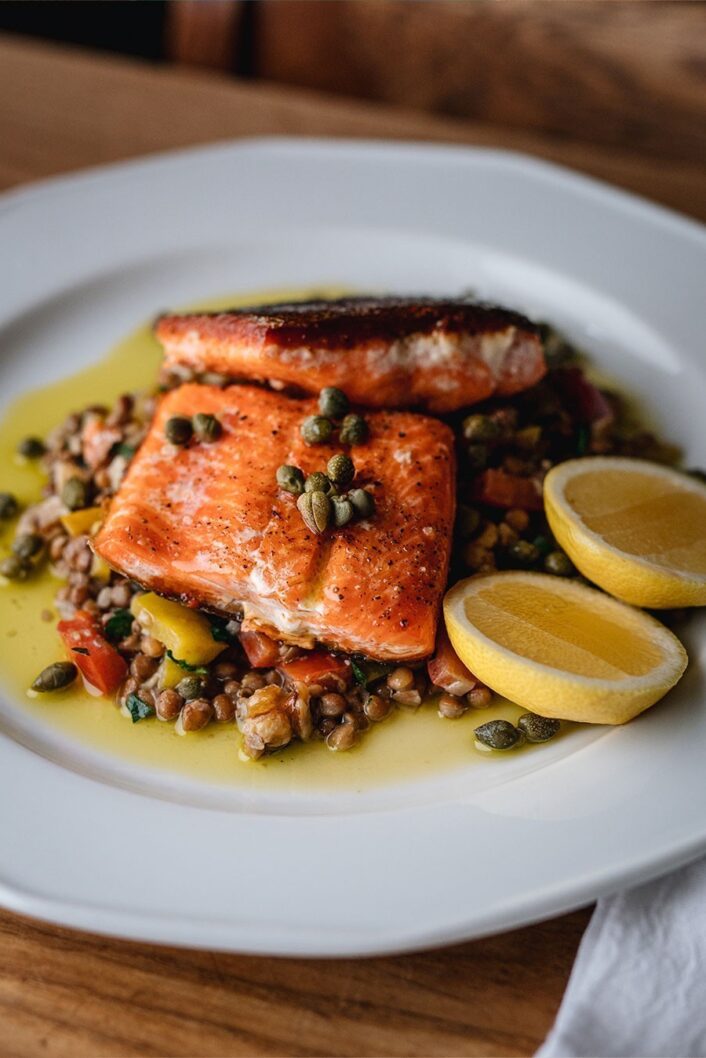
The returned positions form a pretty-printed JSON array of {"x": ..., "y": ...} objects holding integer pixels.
[
  {"x": 98, "y": 662},
  {"x": 262, "y": 652},
  {"x": 500, "y": 489},
  {"x": 446, "y": 669},
  {"x": 318, "y": 666}
]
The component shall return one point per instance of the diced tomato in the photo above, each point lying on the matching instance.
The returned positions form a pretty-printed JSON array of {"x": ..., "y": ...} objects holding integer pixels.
[
  {"x": 500, "y": 489},
  {"x": 446, "y": 669},
  {"x": 262, "y": 652},
  {"x": 587, "y": 401},
  {"x": 318, "y": 666},
  {"x": 98, "y": 662}
]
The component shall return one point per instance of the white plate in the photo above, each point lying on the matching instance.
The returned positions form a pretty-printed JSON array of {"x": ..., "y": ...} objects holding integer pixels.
[{"x": 97, "y": 843}]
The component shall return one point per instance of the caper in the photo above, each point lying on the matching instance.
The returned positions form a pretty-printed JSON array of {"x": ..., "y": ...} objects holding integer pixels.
[
  {"x": 559, "y": 564},
  {"x": 333, "y": 402},
  {"x": 190, "y": 687},
  {"x": 343, "y": 511},
  {"x": 523, "y": 553},
  {"x": 477, "y": 456},
  {"x": 467, "y": 521},
  {"x": 340, "y": 470},
  {"x": 316, "y": 430},
  {"x": 290, "y": 479},
  {"x": 543, "y": 545},
  {"x": 55, "y": 676},
  {"x": 363, "y": 502},
  {"x": 315, "y": 509},
  {"x": 498, "y": 734},
  {"x": 317, "y": 482},
  {"x": 480, "y": 428},
  {"x": 31, "y": 448},
  {"x": 75, "y": 494},
  {"x": 9, "y": 506},
  {"x": 27, "y": 546},
  {"x": 14, "y": 568},
  {"x": 537, "y": 728},
  {"x": 206, "y": 427},
  {"x": 354, "y": 430},
  {"x": 178, "y": 430}
]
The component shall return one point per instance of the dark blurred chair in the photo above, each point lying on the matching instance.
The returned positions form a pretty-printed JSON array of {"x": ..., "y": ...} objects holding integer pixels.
[{"x": 617, "y": 72}]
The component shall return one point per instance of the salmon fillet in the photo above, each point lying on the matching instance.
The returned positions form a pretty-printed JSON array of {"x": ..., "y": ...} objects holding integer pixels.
[
  {"x": 207, "y": 524},
  {"x": 382, "y": 352}
]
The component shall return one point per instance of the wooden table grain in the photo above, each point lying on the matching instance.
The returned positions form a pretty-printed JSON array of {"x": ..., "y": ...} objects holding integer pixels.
[{"x": 66, "y": 994}]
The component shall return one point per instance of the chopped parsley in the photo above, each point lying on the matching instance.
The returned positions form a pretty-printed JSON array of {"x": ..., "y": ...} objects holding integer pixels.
[
  {"x": 185, "y": 665},
  {"x": 138, "y": 709},
  {"x": 118, "y": 626},
  {"x": 367, "y": 672},
  {"x": 219, "y": 630}
]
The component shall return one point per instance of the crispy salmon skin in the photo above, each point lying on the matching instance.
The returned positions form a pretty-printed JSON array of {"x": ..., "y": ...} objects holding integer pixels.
[
  {"x": 383, "y": 352},
  {"x": 207, "y": 524}
]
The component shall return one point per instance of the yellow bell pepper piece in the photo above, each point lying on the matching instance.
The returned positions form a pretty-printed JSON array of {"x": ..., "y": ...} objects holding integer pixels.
[
  {"x": 78, "y": 522},
  {"x": 100, "y": 569},
  {"x": 184, "y": 632},
  {"x": 170, "y": 673}
]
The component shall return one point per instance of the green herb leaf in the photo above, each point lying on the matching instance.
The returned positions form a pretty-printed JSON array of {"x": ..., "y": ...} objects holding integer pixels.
[
  {"x": 138, "y": 709},
  {"x": 367, "y": 672},
  {"x": 582, "y": 439},
  {"x": 185, "y": 665},
  {"x": 118, "y": 626},
  {"x": 219, "y": 630},
  {"x": 121, "y": 449}
]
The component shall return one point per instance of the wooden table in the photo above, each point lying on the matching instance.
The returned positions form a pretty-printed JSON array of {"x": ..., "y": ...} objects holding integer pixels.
[{"x": 72, "y": 995}]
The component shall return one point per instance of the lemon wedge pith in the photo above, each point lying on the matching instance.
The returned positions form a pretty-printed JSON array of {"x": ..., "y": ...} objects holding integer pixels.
[
  {"x": 561, "y": 649},
  {"x": 636, "y": 529}
]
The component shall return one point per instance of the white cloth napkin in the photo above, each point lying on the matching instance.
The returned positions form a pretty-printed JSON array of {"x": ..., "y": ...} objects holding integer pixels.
[{"x": 638, "y": 986}]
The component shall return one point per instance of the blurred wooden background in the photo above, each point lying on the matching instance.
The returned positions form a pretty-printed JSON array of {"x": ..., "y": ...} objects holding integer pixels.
[{"x": 629, "y": 74}]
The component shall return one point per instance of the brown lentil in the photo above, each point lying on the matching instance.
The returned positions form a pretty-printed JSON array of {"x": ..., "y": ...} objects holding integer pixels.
[
  {"x": 252, "y": 681},
  {"x": 342, "y": 737},
  {"x": 332, "y": 705},
  {"x": 225, "y": 670},
  {"x": 151, "y": 647},
  {"x": 377, "y": 708},
  {"x": 224, "y": 708},
  {"x": 231, "y": 688},
  {"x": 196, "y": 714},
  {"x": 168, "y": 704},
  {"x": 143, "y": 667},
  {"x": 451, "y": 707},
  {"x": 401, "y": 679},
  {"x": 408, "y": 699},
  {"x": 479, "y": 697},
  {"x": 517, "y": 519}
]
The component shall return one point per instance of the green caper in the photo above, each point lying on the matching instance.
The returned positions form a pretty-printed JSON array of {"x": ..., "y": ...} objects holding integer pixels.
[
  {"x": 316, "y": 430},
  {"x": 340, "y": 469},
  {"x": 75, "y": 494},
  {"x": 343, "y": 511},
  {"x": 354, "y": 430},
  {"x": 15, "y": 568},
  {"x": 498, "y": 735},
  {"x": 477, "y": 456},
  {"x": 537, "y": 728},
  {"x": 9, "y": 506},
  {"x": 315, "y": 509},
  {"x": 31, "y": 448},
  {"x": 55, "y": 676},
  {"x": 467, "y": 521},
  {"x": 290, "y": 479},
  {"x": 363, "y": 502},
  {"x": 317, "y": 482},
  {"x": 27, "y": 546},
  {"x": 559, "y": 564},
  {"x": 206, "y": 427},
  {"x": 523, "y": 553},
  {"x": 333, "y": 402},
  {"x": 480, "y": 428},
  {"x": 178, "y": 430},
  {"x": 191, "y": 687}
]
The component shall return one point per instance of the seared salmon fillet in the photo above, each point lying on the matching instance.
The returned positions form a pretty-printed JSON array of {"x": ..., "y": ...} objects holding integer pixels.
[
  {"x": 382, "y": 352},
  {"x": 207, "y": 524}
]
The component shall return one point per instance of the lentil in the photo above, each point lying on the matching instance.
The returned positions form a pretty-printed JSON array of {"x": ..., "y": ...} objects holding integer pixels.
[
  {"x": 479, "y": 697},
  {"x": 408, "y": 699},
  {"x": 342, "y": 737},
  {"x": 376, "y": 708},
  {"x": 332, "y": 705},
  {"x": 168, "y": 704},
  {"x": 401, "y": 679},
  {"x": 223, "y": 708},
  {"x": 517, "y": 519},
  {"x": 253, "y": 681},
  {"x": 450, "y": 706},
  {"x": 197, "y": 713},
  {"x": 151, "y": 647}
]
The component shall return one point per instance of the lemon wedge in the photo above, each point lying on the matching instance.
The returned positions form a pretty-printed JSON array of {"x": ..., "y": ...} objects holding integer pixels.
[
  {"x": 561, "y": 649},
  {"x": 636, "y": 529}
]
